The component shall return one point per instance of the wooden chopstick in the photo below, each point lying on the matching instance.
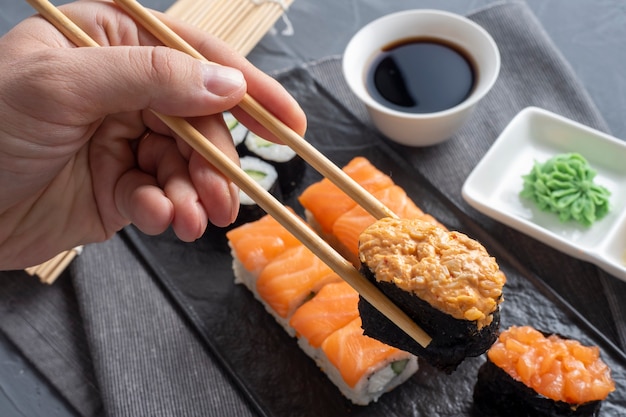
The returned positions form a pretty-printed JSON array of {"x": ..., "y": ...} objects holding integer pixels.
[
  {"x": 264, "y": 199},
  {"x": 316, "y": 159},
  {"x": 50, "y": 270}
]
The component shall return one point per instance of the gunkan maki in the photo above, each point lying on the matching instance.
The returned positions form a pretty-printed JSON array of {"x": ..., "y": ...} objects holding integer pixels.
[
  {"x": 443, "y": 280},
  {"x": 529, "y": 373}
]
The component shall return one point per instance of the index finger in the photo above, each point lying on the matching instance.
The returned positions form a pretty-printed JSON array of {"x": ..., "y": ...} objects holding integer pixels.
[{"x": 263, "y": 88}]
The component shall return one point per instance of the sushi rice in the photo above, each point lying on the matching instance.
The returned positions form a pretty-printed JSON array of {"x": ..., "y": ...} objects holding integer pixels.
[
  {"x": 237, "y": 130},
  {"x": 267, "y": 150},
  {"x": 261, "y": 172}
]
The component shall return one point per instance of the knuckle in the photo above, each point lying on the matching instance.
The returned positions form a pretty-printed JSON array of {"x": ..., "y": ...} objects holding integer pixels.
[{"x": 165, "y": 65}]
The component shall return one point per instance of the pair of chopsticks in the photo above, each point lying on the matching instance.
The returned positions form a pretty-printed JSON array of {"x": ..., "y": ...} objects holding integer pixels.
[
  {"x": 50, "y": 270},
  {"x": 232, "y": 171}
]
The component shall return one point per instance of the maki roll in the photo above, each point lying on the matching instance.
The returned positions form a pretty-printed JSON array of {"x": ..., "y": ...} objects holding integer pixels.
[
  {"x": 289, "y": 280},
  {"x": 530, "y": 374},
  {"x": 263, "y": 174},
  {"x": 289, "y": 165},
  {"x": 348, "y": 226},
  {"x": 324, "y": 202},
  {"x": 266, "y": 176},
  {"x": 237, "y": 130},
  {"x": 329, "y": 331},
  {"x": 364, "y": 368},
  {"x": 338, "y": 219},
  {"x": 443, "y": 280}
]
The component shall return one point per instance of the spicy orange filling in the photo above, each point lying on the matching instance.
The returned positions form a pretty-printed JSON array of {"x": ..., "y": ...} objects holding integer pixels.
[
  {"x": 448, "y": 270},
  {"x": 559, "y": 369}
]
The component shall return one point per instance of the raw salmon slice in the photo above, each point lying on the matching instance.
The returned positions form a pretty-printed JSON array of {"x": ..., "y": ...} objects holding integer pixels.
[
  {"x": 351, "y": 224},
  {"x": 326, "y": 202},
  {"x": 334, "y": 306},
  {"x": 291, "y": 278},
  {"x": 557, "y": 368},
  {"x": 355, "y": 354},
  {"x": 256, "y": 243}
]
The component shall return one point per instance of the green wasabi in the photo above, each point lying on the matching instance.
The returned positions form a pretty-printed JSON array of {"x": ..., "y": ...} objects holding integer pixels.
[{"x": 564, "y": 185}]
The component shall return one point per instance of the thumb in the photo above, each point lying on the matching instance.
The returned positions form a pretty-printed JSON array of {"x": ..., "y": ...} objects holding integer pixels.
[{"x": 120, "y": 78}]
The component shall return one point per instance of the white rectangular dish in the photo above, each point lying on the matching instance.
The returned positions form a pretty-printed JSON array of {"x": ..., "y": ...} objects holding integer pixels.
[{"x": 536, "y": 134}]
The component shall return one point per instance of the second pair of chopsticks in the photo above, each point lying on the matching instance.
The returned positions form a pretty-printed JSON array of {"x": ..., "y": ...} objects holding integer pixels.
[
  {"x": 267, "y": 202},
  {"x": 50, "y": 270}
]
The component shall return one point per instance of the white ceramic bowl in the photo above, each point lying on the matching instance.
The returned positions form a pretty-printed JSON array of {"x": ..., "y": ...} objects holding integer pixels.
[
  {"x": 536, "y": 134},
  {"x": 421, "y": 129}
]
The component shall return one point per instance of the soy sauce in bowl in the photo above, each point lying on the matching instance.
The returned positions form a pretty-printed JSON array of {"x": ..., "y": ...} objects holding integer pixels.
[{"x": 421, "y": 75}]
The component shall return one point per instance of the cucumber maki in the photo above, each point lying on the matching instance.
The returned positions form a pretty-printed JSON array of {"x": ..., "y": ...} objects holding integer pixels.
[
  {"x": 289, "y": 166},
  {"x": 266, "y": 176},
  {"x": 237, "y": 130}
]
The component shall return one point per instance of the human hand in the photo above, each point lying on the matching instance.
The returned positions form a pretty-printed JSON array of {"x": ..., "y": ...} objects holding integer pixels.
[{"x": 72, "y": 170}]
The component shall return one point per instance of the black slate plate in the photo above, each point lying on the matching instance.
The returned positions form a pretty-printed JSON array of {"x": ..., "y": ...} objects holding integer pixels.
[{"x": 267, "y": 365}]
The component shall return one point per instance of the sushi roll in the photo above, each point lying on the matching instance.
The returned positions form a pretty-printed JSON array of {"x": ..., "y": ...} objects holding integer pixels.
[
  {"x": 266, "y": 176},
  {"x": 289, "y": 280},
  {"x": 288, "y": 164},
  {"x": 313, "y": 304},
  {"x": 335, "y": 305},
  {"x": 329, "y": 331},
  {"x": 361, "y": 367},
  {"x": 530, "y": 374},
  {"x": 237, "y": 130},
  {"x": 324, "y": 202},
  {"x": 255, "y": 244},
  {"x": 338, "y": 219},
  {"x": 444, "y": 281}
]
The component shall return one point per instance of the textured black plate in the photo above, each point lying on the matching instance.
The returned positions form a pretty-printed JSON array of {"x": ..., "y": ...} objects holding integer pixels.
[{"x": 267, "y": 365}]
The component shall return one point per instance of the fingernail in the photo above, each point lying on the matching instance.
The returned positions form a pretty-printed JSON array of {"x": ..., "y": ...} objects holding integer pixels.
[
  {"x": 234, "y": 200},
  {"x": 222, "y": 81}
]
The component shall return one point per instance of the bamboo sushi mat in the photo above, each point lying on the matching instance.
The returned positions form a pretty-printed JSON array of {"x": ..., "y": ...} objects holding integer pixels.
[{"x": 240, "y": 23}]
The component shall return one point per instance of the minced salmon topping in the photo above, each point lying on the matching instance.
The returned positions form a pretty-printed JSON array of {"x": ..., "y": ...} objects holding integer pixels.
[
  {"x": 448, "y": 270},
  {"x": 557, "y": 368}
]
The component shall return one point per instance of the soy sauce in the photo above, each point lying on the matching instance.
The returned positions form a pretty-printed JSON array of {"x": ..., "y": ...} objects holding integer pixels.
[{"x": 421, "y": 75}]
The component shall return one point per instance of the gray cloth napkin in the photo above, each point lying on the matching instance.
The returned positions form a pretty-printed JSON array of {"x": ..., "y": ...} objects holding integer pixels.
[{"x": 109, "y": 339}]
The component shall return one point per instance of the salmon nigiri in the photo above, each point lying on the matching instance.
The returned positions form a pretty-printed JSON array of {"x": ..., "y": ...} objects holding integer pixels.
[{"x": 359, "y": 169}]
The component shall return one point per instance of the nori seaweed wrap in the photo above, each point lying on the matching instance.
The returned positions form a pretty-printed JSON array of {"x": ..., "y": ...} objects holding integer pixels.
[
  {"x": 453, "y": 339},
  {"x": 497, "y": 394},
  {"x": 266, "y": 176},
  {"x": 289, "y": 165},
  {"x": 444, "y": 281},
  {"x": 545, "y": 376}
]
